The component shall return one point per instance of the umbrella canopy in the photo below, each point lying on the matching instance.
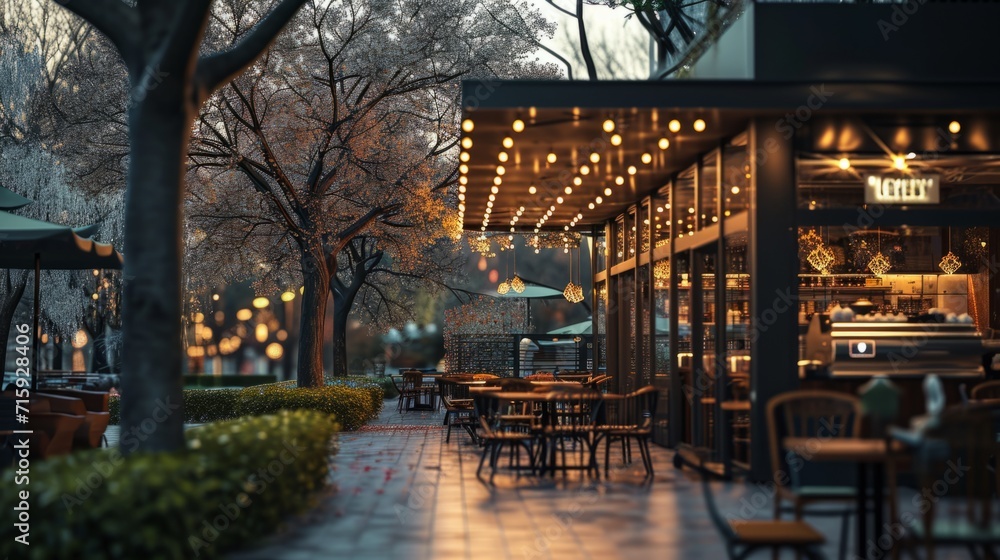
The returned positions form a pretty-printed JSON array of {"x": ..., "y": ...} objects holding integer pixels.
[
  {"x": 10, "y": 200},
  {"x": 59, "y": 247},
  {"x": 587, "y": 327},
  {"x": 532, "y": 290},
  {"x": 34, "y": 244}
]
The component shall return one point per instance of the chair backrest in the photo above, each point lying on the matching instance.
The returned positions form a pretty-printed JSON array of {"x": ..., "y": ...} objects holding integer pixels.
[
  {"x": 959, "y": 451},
  {"x": 572, "y": 407},
  {"x": 640, "y": 408},
  {"x": 986, "y": 391},
  {"x": 486, "y": 410},
  {"x": 412, "y": 379},
  {"x": 808, "y": 414}
]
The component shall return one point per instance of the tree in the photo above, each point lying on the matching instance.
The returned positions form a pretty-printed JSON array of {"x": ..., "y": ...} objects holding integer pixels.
[
  {"x": 679, "y": 29},
  {"x": 29, "y": 170},
  {"x": 159, "y": 43},
  {"x": 331, "y": 162}
]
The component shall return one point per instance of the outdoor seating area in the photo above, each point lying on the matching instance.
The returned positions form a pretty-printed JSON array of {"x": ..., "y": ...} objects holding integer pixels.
[
  {"x": 65, "y": 420},
  {"x": 845, "y": 476}
]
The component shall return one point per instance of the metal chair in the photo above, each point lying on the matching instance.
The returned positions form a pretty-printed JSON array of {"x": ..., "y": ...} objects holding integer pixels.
[
  {"x": 629, "y": 419},
  {"x": 990, "y": 390},
  {"x": 744, "y": 537},
  {"x": 960, "y": 455},
  {"x": 494, "y": 436},
  {"x": 818, "y": 414}
]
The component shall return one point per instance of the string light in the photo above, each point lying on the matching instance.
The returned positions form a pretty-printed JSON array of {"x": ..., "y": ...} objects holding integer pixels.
[
  {"x": 518, "y": 125},
  {"x": 508, "y": 142},
  {"x": 616, "y": 140},
  {"x": 674, "y": 125},
  {"x": 663, "y": 144}
]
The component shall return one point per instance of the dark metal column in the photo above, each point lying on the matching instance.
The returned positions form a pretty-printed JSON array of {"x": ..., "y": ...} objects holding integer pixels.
[
  {"x": 677, "y": 396},
  {"x": 773, "y": 281},
  {"x": 723, "y": 435}
]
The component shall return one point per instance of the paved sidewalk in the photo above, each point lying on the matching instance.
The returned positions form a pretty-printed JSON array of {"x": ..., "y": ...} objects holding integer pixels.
[{"x": 401, "y": 492}]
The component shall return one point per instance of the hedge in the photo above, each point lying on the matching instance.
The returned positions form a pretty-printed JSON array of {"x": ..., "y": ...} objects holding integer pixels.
[
  {"x": 354, "y": 401},
  {"x": 227, "y": 380},
  {"x": 237, "y": 481},
  {"x": 352, "y": 406}
]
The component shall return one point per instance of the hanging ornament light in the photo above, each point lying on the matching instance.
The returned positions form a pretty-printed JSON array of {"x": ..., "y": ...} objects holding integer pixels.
[
  {"x": 517, "y": 284},
  {"x": 950, "y": 263},
  {"x": 503, "y": 288},
  {"x": 821, "y": 258},
  {"x": 879, "y": 264}
]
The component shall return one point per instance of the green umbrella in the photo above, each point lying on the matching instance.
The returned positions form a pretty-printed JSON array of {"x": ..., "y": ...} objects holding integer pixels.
[{"x": 27, "y": 243}]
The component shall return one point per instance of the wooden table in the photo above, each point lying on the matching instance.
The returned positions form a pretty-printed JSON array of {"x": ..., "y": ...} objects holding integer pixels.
[{"x": 866, "y": 453}]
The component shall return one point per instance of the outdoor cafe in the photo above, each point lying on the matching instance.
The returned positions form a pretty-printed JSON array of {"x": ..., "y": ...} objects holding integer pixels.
[{"x": 821, "y": 252}]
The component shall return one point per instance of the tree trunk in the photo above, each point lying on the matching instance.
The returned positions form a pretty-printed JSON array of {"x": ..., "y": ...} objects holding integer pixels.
[
  {"x": 159, "y": 124},
  {"x": 7, "y": 311},
  {"x": 340, "y": 314},
  {"x": 313, "y": 315}
]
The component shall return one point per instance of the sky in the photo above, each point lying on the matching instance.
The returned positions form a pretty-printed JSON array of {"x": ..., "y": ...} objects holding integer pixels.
[{"x": 626, "y": 40}]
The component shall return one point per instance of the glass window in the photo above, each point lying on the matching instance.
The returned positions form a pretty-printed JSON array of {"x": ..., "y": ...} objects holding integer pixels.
[
  {"x": 683, "y": 206},
  {"x": 708, "y": 192},
  {"x": 735, "y": 179}
]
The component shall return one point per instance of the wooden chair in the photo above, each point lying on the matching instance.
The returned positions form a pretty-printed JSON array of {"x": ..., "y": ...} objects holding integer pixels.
[
  {"x": 629, "y": 419},
  {"x": 457, "y": 405},
  {"x": 967, "y": 513},
  {"x": 812, "y": 414},
  {"x": 494, "y": 436},
  {"x": 990, "y": 390},
  {"x": 95, "y": 403},
  {"x": 570, "y": 416},
  {"x": 744, "y": 537},
  {"x": 53, "y": 433},
  {"x": 94, "y": 409}
]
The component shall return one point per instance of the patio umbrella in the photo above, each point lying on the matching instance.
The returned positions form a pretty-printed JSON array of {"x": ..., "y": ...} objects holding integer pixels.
[
  {"x": 10, "y": 200},
  {"x": 587, "y": 327},
  {"x": 27, "y": 243}
]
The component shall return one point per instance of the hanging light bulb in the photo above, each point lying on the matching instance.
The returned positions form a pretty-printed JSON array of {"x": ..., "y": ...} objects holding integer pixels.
[
  {"x": 647, "y": 158},
  {"x": 503, "y": 288},
  {"x": 663, "y": 143},
  {"x": 608, "y": 126},
  {"x": 503, "y": 157},
  {"x": 595, "y": 157},
  {"x": 584, "y": 170},
  {"x": 674, "y": 125},
  {"x": 468, "y": 125},
  {"x": 532, "y": 189},
  {"x": 619, "y": 180},
  {"x": 616, "y": 140},
  {"x": 517, "y": 125},
  {"x": 607, "y": 191},
  {"x": 467, "y": 143},
  {"x": 699, "y": 125},
  {"x": 551, "y": 157},
  {"x": 508, "y": 142}
]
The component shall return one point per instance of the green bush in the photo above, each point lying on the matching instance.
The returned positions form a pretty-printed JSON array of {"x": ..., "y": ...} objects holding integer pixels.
[
  {"x": 227, "y": 380},
  {"x": 200, "y": 405},
  {"x": 353, "y": 400},
  {"x": 351, "y": 406},
  {"x": 237, "y": 481}
]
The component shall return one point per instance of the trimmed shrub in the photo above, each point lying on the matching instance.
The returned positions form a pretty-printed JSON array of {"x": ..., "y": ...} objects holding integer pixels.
[
  {"x": 351, "y": 406},
  {"x": 238, "y": 480},
  {"x": 353, "y": 400},
  {"x": 227, "y": 380},
  {"x": 200, "y": 405}
]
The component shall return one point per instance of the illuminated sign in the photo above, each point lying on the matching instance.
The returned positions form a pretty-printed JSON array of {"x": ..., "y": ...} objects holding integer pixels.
[
  {"x": 861, "y": 348},
  {"x": 925, "y": 189}
]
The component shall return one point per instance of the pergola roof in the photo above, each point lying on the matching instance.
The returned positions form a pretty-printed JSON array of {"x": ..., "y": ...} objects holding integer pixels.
[{"x": 567, "y": 119}]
